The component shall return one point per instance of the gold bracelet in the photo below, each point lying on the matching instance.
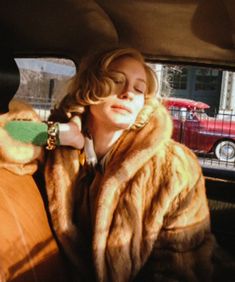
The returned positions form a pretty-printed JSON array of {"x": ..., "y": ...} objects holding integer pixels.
[{"x": 53, "y": 132}]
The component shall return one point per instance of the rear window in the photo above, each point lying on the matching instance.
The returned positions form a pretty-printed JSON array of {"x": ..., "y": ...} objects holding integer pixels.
[{"x": 42, "y": 81}]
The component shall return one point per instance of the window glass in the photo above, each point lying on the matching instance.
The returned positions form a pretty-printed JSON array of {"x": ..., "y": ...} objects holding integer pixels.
[
  {"x": 178, "y": 77},
  {"x": 42, "y": 81},
  {"x": 206, "y": 79}
]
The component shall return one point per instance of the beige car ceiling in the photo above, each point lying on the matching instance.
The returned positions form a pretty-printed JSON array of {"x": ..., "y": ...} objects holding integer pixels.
[{"x": 201, "y": 31}]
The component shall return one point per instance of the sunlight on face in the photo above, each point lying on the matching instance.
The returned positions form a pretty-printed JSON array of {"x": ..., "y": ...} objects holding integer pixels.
[{"x": 119, "y": 110}]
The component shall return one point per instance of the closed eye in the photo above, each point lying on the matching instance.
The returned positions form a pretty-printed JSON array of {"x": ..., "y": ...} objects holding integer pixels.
[
  {"x": 117, "y": 77},
  {"x": 140, "y": 88},
  {"x": 139, "y": 91},
  {"x": 116, "y": 81}
]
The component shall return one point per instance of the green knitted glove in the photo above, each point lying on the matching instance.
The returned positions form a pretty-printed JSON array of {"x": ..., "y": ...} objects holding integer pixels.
[{"x": 28, "y": 131}]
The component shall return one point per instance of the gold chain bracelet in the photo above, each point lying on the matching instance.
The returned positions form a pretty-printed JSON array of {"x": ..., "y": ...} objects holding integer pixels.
[{"x": 53, "y": 132}]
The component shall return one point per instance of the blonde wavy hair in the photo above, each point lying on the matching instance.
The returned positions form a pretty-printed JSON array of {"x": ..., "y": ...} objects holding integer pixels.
[{"x": 94, "y": 81}]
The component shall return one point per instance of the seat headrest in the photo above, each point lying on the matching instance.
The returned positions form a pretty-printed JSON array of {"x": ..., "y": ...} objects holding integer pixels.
[{"x": 9, "y": 81}]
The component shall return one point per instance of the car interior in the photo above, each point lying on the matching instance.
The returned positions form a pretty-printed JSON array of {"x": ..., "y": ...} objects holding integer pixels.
[{"x": 184, "y": 32}]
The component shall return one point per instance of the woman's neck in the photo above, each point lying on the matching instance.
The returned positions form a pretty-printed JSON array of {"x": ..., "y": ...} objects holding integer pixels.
[{"x": 103, "y": 137}]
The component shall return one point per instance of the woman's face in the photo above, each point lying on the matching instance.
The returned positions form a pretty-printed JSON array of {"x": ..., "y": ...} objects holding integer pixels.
[{"x": 120, "y": 109}]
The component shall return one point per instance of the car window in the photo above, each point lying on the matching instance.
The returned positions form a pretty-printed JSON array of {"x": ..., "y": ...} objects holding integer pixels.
[
  {"x": 203, "y": 100},
  {"x": 42, "y": 81},
  {"x": 202, "y": 104}
]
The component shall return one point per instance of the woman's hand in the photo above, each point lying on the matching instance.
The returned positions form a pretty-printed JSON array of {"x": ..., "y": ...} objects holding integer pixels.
[{"x": 70, "y": 134}]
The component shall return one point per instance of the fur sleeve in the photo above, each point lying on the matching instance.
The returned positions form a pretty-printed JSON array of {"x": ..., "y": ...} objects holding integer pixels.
[
  {"x": 17, "y": 156},
  {"x": 61, "y": 170}
]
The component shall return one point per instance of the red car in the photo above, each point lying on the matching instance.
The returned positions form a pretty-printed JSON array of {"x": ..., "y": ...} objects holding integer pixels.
[{"x": 201, "y": 133}]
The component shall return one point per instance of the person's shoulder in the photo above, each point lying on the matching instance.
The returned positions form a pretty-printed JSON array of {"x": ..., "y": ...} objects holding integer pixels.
[
  {"x": 183, "y": 161},
  {"x": 182, "y": 151},
  {"x": 21, "y": 110}
]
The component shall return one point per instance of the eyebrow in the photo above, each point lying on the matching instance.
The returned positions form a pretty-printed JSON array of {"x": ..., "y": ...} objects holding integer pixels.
[{"x": 140, "y": 79}]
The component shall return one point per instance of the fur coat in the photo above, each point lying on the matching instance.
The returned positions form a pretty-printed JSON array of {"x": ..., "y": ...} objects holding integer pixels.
[
  {"x": 144, "y": 218},
  {"x": 16, "y": 156}
]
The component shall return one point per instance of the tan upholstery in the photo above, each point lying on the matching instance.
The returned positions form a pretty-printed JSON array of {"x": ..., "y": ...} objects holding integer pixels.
[{"x": 28, "y": 251}]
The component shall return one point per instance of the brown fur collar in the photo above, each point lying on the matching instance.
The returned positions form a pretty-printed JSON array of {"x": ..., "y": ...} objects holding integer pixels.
[{"x": 16, "y": 156}]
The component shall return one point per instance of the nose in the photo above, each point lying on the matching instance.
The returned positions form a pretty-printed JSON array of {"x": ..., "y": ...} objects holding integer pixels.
[{"x": 127, "y": 93}]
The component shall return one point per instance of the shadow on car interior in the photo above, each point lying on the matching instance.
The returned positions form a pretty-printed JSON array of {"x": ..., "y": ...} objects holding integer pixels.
[{"x": 10, "y": 80}]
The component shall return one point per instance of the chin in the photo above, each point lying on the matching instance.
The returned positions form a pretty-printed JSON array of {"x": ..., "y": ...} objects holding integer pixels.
[{"x": 124, "y": 126}]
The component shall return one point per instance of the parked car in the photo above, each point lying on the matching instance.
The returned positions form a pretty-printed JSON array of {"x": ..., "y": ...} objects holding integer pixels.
[{"x": 198, "y": 131}]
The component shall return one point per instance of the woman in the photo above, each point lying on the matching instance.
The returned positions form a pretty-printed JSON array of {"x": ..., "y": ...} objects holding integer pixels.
[{"x": 130, "y": 204}]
